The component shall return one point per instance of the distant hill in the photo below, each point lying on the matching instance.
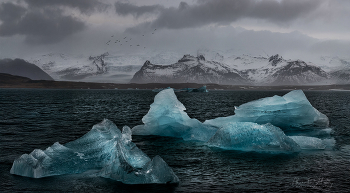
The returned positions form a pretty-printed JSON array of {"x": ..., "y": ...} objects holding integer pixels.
[
  {"x": 20, "y": 67},
  {"x": 12, "y": 79}
]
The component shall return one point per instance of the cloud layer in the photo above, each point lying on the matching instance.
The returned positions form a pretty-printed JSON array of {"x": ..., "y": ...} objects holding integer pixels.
[
  {"x": 206, "y": 12},
  {"x": 44, "y": 21}
]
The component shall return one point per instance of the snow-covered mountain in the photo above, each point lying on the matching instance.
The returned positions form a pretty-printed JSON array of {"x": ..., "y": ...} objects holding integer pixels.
[
  {"x": 255, "y": 70},
  {"x": 65, "y": 67},
  {"x": 106, "y": 67},
  {"x": 278, "y": 71},
  {"x": 189, "y": 69}
]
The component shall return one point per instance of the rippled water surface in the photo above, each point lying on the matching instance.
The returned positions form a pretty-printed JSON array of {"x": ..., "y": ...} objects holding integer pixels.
[{"x": 36, "y": 118}]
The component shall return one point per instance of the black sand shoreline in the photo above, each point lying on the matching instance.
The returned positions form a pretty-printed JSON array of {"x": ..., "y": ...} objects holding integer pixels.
[{"x": 11, "y": 81}]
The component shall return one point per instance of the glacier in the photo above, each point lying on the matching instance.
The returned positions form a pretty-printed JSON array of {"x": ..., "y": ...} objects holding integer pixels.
[
  {"x": 246, "y": 136},
  {"x": 166, "y": 117},
  {"x": 290, "y": 111},
  {"x": 105, "y": 149}
]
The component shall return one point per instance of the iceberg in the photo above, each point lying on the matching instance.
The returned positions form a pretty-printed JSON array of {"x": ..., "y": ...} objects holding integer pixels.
[
  {"x": 106, "y": 149},
  {"x": 292, "y": 110},
  {"x": 313, "y": 143},
  {"x": 166, "y": 117},
  {"x": 246, "y": 136}
]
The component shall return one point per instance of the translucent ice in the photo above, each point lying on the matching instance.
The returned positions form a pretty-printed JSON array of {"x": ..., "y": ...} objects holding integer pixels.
[
  {"x": 291, "y": 110},
  {"x": 104, "y": 148},
  {"x": 247, "y": 136},
  {"x": 166, "y": 117},
  {"x": 313, "y": 143}
]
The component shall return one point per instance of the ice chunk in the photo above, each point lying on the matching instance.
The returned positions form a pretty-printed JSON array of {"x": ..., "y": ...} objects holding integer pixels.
[
  {"x": 201, "y": 89},
  {"x": 104, "y": 148},
  {"x": 247, "y": 136},
  {"x": 290, "y": 111},
  {"x": 312, "y": 142},
  {"x": 166, "y": 117}
]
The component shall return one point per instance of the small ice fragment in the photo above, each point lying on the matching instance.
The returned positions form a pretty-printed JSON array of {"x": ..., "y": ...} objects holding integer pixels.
[{"x": 313, "y": 143}]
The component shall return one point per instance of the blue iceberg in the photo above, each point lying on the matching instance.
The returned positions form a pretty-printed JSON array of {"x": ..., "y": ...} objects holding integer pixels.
[
  {"x": 166, "y": 117},
  {"x": 253, "y": 128},
  {"x": 292, "y": 110},
  {"x": 104, "y": 148},
  {"x": 246, "y": 136}
]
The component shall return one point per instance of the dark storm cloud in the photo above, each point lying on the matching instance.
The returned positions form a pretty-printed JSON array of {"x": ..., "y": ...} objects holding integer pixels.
[
  {"x": 137, "y": 11},
  {"x": 85, "y": 6},
  {"x": 10, "y": 13},
  {"x": 44, "y": 21},
  {"x": 222, "y": 12}
]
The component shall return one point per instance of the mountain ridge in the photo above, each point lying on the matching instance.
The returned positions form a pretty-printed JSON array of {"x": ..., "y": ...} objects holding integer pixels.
[
  {"x": 276, "y": 71},
  {"x": 216, "y": 66}
]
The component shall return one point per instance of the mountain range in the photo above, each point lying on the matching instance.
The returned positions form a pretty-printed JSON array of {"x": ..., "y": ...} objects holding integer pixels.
[
  {"x": 206, "y": 67},
  {"x": 273, "y": 70},
  {"x": 106, "y": 67}
]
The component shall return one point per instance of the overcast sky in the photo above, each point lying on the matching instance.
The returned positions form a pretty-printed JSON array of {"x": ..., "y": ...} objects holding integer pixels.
[{"x": 287, "y": 27}]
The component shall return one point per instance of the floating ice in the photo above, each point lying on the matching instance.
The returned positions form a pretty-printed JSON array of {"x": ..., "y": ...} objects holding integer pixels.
[
  {"x": 313, "y": 143},
  {"x": 104, "y": 148},
  {"x": 166, "y": 117},
  {"x": 291, "y": 110},
  {"x": 247, "y": 136},
  {"x": 201, "y": 89}
]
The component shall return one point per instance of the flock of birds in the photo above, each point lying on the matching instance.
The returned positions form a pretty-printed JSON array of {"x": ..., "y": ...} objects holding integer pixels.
[{"x": 125, "y": 40}]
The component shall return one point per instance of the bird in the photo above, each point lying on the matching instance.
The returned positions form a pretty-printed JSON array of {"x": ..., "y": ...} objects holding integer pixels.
[
  {"x": 143, "y": 35},
  {"x": 137, "y": 45},
  {"x": 125, "y": 37},
  {"x": 112, "y": 36},
  {"x": 152, "y": 33},
  {"x": 130, "y": 38},
  {"x": 155, "y": 29}
]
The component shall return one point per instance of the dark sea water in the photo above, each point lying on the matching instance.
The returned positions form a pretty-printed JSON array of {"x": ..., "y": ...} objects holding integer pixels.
[{"x": 37, "y": 118}]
